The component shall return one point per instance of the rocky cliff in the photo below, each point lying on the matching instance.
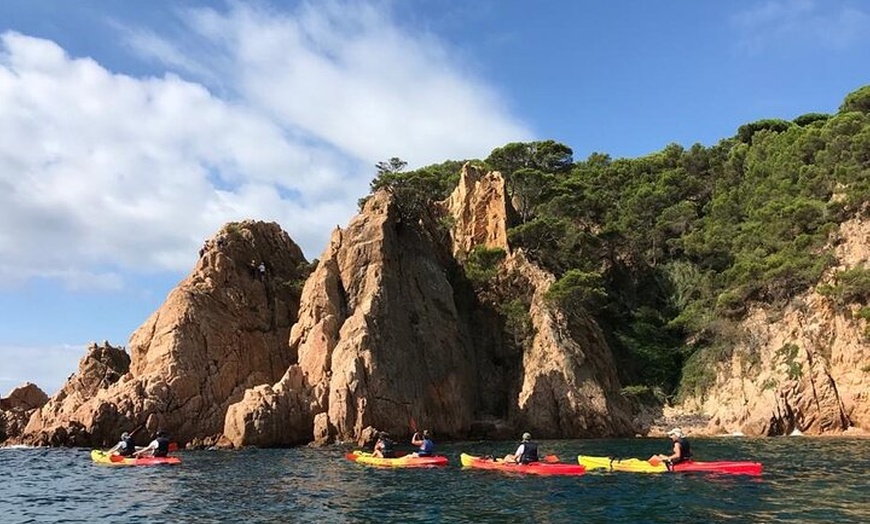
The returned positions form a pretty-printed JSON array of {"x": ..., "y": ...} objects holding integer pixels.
[
  {"x": 222, "y": 330},
  {"x": 805, "y": 367},
  {"x": 391, "y": 332},
  {"x": 393, "y": 329}
]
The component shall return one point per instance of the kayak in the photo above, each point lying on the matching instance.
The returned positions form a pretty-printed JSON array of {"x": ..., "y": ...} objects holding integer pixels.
[
  {"x": 635, "y": 465},
  {"x": 404, "y": 461},
  {"x": 534, "y": 468},
  {"x": 101, "y": 457}
]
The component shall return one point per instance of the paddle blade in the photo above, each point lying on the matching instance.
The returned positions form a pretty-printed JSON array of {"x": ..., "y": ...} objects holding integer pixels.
[
  {"x": 413, "y": 425},
  {"x": 654, "y": 460},
  {"x": 551, "y": 459},
  {"x": 173, "y": 446}
]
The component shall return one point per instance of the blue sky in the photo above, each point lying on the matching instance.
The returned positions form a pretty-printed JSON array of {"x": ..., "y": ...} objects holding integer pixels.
[{"x": 130, "y": 131}]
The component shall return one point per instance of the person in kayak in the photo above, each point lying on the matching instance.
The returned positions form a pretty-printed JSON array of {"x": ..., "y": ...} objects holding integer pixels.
[
  {"x": 682, "y": 449},
  {"x": 384, "y": 446},
  {"x": 526, "y": 453},
  {"x": 125, "y": 447},
  {"x": 159, "y": 447},
  {"x": 424, "y": 443}
]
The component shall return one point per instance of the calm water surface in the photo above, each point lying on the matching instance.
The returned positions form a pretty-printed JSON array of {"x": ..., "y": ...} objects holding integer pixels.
[{"x": 805, "y": 480}]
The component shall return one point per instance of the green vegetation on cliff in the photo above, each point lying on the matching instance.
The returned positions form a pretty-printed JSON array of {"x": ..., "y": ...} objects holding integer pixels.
[{"x": 668, "y": 250}]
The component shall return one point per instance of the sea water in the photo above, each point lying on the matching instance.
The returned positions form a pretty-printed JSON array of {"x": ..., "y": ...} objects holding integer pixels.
[{"x": 804, "y": 480}]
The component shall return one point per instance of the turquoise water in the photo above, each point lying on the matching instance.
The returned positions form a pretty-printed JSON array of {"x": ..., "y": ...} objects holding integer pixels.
[{"x": 805, "y": 480}]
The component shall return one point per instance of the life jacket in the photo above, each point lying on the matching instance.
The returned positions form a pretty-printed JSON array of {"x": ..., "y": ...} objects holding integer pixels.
[
  {"x": 162, "y": 447},
  {"x": 685, "y": 451},
  {"x": 128, "y": 448},
  {"x": 530, "y": 453},
  {"x": 387, "y": 448},
  {"x": 426, "y": 448}
]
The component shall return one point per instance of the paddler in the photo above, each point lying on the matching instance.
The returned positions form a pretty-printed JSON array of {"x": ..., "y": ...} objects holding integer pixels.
[
  {"x": 425, "y": 444},
  {"x": 159, "y": 447},
  {"x": 384, "y": 446},
  {"x": 527, "y": 451},
  {"x": 682, "y": 449},
  {"x": 125, "y": 447}
]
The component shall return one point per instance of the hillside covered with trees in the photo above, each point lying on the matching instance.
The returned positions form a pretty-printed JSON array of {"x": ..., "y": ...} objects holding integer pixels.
[{"x": 667, "y": 251}]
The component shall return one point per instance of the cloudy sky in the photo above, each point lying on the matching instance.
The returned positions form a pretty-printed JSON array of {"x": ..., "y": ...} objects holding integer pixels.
[{"x": 130, "y": 131}]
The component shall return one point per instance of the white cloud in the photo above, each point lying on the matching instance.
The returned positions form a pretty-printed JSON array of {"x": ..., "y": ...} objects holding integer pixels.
[
  {"x": 47, "y": 367},
  {"x": 344, "y": 74},
  {"x": 103, "y": 173},
  {"x": 833, "y": 24}
]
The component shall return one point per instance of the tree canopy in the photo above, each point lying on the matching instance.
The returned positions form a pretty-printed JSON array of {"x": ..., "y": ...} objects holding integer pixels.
[{"x": 667, "y": 250}]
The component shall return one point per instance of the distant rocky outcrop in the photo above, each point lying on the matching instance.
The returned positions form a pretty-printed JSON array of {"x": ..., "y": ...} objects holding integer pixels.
[
  {"x": 222, "y": 330},
  {"x": 15, "y": 409},
  {"x": 805, "y": 367}
]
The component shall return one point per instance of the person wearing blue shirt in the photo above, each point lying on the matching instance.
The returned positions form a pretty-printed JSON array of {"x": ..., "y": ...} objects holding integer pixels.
[{"x": 424, "y": 443}]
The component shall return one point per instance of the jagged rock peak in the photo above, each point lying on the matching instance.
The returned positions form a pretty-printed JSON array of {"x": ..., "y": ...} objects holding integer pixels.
[
  {"x": 480, "y": 210},
  {"x": 378, "y": 335}
]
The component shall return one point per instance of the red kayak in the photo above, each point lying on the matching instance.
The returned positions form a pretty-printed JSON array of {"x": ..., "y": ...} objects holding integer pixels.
[
  {"x": 550, "y": 467},
  {"x": 731, "y": 468}
]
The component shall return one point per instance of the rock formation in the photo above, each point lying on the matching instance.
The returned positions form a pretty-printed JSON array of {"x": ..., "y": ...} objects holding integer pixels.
[
  {"x": 223, "y": 330},
  {"x": 16, "y": 409},
  {"x": 389, "y": 332},
  {"x": 804, "y": 368},
  {"x": 392, "y": 327}
]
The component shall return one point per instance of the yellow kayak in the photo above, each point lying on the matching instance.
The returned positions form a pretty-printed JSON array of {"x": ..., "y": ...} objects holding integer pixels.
[
  {"x": 101, "y": 457},
  {"x": 634, "y": 465},
  {"x": 630, "y": 464},
  {"x": 404, "y": 461}
]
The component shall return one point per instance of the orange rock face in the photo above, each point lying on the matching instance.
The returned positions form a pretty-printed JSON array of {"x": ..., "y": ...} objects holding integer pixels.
[
  {"x": 389, "y": 332},
  {"x": 811, "y": 366},
  {"x": 223, "y": 330}
]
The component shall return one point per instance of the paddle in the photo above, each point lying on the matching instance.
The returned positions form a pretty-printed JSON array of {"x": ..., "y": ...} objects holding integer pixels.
[
  {"x": 656, "y": 461},
  {"x": 550, "y": 459}
]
